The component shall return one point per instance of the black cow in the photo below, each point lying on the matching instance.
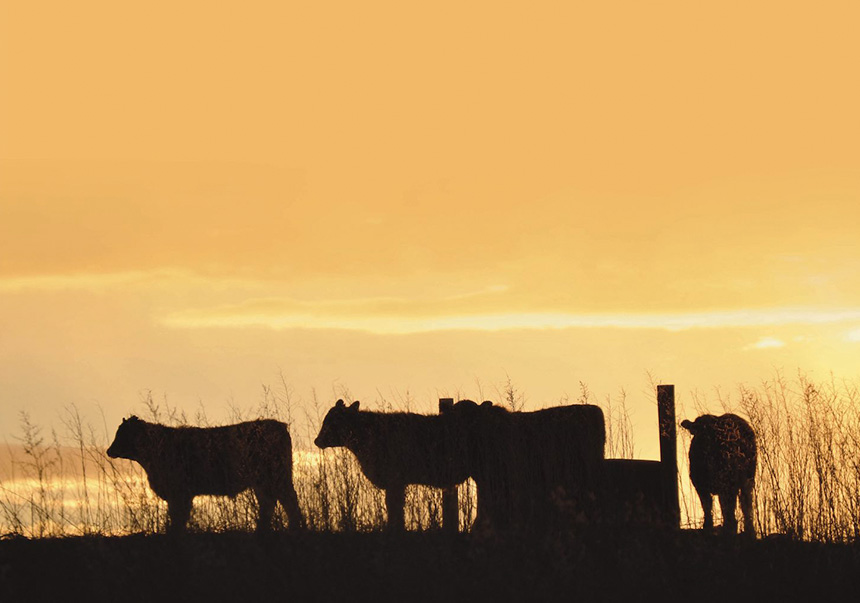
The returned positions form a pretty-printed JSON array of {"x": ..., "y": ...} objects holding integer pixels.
[
  {"x": 183, "y": 462},
  {"x": 723, "y": 462},
  {"x": 396, "y": 449},
  {"x": 531, "y": 466}
]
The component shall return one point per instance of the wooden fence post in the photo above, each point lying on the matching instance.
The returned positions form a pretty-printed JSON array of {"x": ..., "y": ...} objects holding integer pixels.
[
  {"x": 450, "y": 502},
  {"x": 668, "y": 452}
]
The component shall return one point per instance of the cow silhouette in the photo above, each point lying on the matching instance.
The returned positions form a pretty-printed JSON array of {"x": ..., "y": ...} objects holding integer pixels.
[
  {"x": 723, "y": 462},
  {"x": 183, "y": 462},
  {"x": 395, "y": 449},
  {"x": 532, "y": 468}
]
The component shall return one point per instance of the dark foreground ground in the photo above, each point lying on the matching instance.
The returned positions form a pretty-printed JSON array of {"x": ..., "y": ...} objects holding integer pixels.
[{"x": 430, "y": 566}]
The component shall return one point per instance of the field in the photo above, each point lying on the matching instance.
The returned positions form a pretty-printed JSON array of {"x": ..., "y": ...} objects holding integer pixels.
[
  {"x": 427, "y": 566},
  {"x": 77, "y": 525}
]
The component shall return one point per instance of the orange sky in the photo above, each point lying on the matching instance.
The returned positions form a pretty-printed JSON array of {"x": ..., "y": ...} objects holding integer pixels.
[{"x": 196, "y": 195}]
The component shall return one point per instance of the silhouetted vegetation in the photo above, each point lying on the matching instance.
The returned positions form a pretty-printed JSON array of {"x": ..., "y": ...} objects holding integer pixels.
[
  {"x": 61, "y": 484},
  {"x": 807, "y": 487}
]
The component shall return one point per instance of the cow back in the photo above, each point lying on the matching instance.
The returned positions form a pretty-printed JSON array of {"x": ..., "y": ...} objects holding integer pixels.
[
  {"x": 218, "y": 460},
  {"x": 724, "y": 455},
  {"x": 408, "y": 448}
]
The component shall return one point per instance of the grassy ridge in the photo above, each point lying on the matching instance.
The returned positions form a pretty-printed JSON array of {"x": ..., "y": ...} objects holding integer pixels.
[{"x": 427, "y": 566}]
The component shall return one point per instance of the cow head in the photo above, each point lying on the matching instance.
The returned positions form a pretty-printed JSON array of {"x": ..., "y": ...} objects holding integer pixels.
[
  {"x": 471, "y": 414},
  {"x": 126, "y": 443},
  {"x": 466, "y": 407},
  {"x": 703, "y": 424},
  {"x": 474, "y": 427},
  {"x": 338, "y": 428}
]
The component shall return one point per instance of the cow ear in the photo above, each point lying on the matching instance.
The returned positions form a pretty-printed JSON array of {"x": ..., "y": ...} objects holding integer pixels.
[
  {"x": 339, "y": 404},
  {"x": 354, "y": 405},
  {"x": 124, "y": 421},
  {"x": 486, "y": 404},
  {"x": 688, "y": 425}
]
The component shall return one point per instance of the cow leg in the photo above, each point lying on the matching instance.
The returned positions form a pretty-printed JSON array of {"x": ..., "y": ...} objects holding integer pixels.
[
  {"x": 395, "y": 499},
  {"x": 266, "y": 504},
  {"x": 290, "y": 501},
  {"x": 501, "y": 507},
  {"x": 483, "y": 513},
  {"x": 747, "y": 507},
  {"x": 728, "y": 504},
  {"x": 493, "y": 509},
  {"x": 707, "y": 509},
  {"x": 178, "y": 511}
]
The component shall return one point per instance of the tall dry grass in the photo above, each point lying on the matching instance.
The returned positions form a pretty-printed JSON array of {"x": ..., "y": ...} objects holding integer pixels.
[
  {"x": 808, "y": 482},
  {"x": 66, "y": 484},
  {"x": 809, "y": 447},
  {"x": 808, "y": 434}
]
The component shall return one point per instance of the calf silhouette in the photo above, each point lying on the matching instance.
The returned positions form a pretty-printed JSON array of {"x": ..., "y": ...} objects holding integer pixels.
[
  {"x": 723, "y": 462},
  {"x": 395, "y": 449},
  {"x": 529, "y": 466},
  {"x": 183, "y": 462}
]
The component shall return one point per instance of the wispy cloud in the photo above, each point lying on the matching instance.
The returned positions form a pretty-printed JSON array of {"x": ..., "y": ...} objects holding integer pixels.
[
  {"x": 74, "y": 281},
  {"x": 766, "y": 343},
  {"x": 393, "y": 316},
  {"x": 107, "y": 281},
  {"x": 487, "y": 307}
]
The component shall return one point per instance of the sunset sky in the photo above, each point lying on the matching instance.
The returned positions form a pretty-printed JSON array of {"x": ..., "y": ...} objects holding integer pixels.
[{"x": 196, "y": 197}]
